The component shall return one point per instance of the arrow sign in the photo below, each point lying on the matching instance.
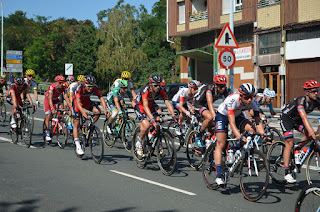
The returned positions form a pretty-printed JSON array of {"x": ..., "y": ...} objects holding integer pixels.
[{"x": 226, "y": 39}]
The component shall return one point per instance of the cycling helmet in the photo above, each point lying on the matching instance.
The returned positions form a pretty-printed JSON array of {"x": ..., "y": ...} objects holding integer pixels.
[
  {"x": 80, "y": 78},
  {"x": 269, "y": 93},
  {"x": 155, "y": 79},
  {"x": 310, "y": 85},
  {"x": 70, "y": 78},
  {"x": 2, "y": 77},
  {"x": 220, "y": 80},
  {"x": 193, "y": 84},
  {"x": 89, "y": 79},
  {"x": 30, "y": 72},
  {"x": 126, "y": 75},
  {"x": 59, "y": 78},
  {"x": 123, "y": 83},
  {"x": 163, "y": 83},
  {"x": 247, "y": 89},
  {"x": 18, "y": 80}
]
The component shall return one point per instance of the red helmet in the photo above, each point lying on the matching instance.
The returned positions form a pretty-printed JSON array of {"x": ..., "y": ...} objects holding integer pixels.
[
  {"x": 310, "y": 85},
  {"x": 163, "y": 83},
  {"x": 220, "y": 80},
  {"x": 59, "y": 78}
]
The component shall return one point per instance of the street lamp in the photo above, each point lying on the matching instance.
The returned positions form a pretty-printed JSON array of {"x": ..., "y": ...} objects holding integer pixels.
[{"x": 1, "y": 38}]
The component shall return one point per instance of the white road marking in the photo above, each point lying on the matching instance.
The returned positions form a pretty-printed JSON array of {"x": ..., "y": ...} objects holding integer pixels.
[
  {"x": 154, "y": 183},
  {"x": 19, "y": 143}
]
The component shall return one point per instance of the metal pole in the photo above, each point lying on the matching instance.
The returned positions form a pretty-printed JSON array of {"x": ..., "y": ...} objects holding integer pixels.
[
  {"x": 231, "y": 27},
  {"x": 2, "y": 40}
]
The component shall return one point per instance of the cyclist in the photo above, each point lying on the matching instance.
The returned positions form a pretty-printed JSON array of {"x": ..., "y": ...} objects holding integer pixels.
[
  {"x": 31, "y": 83},
  {"x": 294, "y": 116},
  {"x": 265, "y": 98},
  {"x": 82, "y": 101},
  {"x": 73, "y": 86},
  {"x": 113, "y": 101},
  {"x": 53, "y": 102},
  {"x": 144, "y": 106},
  {"x": 3, "y": 83},
  {"x": 125, "y": 75},
  {"x": 182, "y": 102},
  {"x": 16, "y": 89},
  {"x": 203, "y": 104},
  {"x": 230, "y": 112}
]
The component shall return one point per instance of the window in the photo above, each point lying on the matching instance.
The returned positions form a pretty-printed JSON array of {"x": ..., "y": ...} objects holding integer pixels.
[
  {"x": 182, "y": 12},
  {"x": 303, "y": 33},
  {"x": 199, "y": 10},
  {"x": 226, "y": 6},
  {"x": 269, "y": 43}
]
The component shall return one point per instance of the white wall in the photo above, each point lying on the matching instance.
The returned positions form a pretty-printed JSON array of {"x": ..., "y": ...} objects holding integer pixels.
[{"x": 302, "y": 49}]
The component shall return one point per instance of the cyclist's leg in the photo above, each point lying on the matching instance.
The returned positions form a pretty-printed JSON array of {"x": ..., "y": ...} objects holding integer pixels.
[
  {"x": 76, "y": 124},
  {"x": 94, "y": 107},
  {"x": 114, "y": 112}
]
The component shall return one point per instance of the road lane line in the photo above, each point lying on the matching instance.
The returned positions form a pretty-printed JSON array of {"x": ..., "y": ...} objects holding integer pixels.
[
  {"x": 19, "y": 143},
  {"x": 154, "y": 183}
]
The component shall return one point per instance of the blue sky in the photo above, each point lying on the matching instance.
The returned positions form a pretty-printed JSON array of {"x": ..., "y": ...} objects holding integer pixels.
[{"x": 78, "y": 9}]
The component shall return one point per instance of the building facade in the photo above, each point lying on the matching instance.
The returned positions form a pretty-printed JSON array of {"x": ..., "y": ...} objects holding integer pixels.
[{"x": 279, "y": 42}]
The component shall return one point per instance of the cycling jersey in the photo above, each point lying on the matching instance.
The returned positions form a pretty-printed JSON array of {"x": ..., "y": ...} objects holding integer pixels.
[
  {"x": 5, "y": 84},
  {"x": 115, "y": 93},
  {"x": 200, "y": 99},
  {"x": 116, "y": 84},
  {"x": 259, "y": 101},
  {"x": 31, "y": 84},
  {"x": 291, "y": 109},
  {"x": 231, "y": 106},
  {"x": 56, "y": 92},
  {"x": 14, "y": 88},
  {"x": 181, "y": 96}
]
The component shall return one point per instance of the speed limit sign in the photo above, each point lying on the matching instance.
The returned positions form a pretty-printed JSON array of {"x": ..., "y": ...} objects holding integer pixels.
[{"x": 227, "y": 58}]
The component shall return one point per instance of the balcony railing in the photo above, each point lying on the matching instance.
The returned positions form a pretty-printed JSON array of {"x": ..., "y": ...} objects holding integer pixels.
[
  {"x": 198, "y": 15},
  {"x": 263, "y": 3}
]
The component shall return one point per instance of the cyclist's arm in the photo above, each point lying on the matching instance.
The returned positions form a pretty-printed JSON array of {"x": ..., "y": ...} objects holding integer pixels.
[
  {"x": 232, "y": 122},
  {"x": 305, "y": 121},
  {"x": 29, "y": 98},
  {"x": 146, "y": 109},
  {"x": 271, "y": 109},
  {"x": 170, "y": 108},
  {"x": 79, "y": 106},
  {"x": 104, "y": 106},
  {"x": 117, "y": 104},
  {"x": 181, "y": 101},
  {"x": 50, "y": 99},
  {"x": 65, "y": 96},
  {"x": 14, "y": 99},
  {"x": 210, "y": 102},
  {"x": 133, "y": 93},
  {"x": 35, "y": 91}
]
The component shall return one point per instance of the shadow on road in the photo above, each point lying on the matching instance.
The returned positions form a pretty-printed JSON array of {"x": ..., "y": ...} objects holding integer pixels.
[{"x": 27, "y": 205}]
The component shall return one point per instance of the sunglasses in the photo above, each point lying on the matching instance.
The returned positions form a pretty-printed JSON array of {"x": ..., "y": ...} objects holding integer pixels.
[
  {"x": 90, "y": 86},
  {"x": 221, "y": 86},
  {"x": 314, "y": 91},
  {"x": 30, "y": 75},
  {"x": 156, "y": 85},
  {"x": 247, "y": 97},
  {"x": 60, "y": 83}
]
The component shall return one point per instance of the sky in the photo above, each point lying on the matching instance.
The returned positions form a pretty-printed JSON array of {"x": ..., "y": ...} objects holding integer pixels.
[{"x": 78, "y": 9}]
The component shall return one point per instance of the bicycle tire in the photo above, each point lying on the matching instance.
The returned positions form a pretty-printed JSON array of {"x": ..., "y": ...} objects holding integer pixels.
[
  {"x": 96, "y": 144},
  {"x": 276, "y": 135},
  {"x": 141, "y": 162},
  {"x": 166, "y": 164},
  {"x": 259, "y": 168},
  {"x": 107, "y": 138},
  {"x": 14, "y": 133},
  {"x": 313, "y": 168},
  {"x": 31, "y": 117},
  {"x": 178, "y": 139},
  {"x": 26, "y": 132},
  {"x": 3, "y": 112},
  {"x": 61, "y": 135},
  {"x": 127, "y": 134},
  {"x": 276, "y": 163},
  {"x": 307, "y": 200},
  {"x": 193, "y": 151},
  {"x": 209, "y": 169}
]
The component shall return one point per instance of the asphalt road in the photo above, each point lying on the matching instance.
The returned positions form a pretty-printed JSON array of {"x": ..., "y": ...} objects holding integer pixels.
[{"x": 46, "y": 178}]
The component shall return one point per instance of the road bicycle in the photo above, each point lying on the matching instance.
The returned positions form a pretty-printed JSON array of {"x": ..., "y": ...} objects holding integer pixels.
[
  {"x": 308, "y": 199},
  {"x": 273, "y": 133},
  {"x": 161, "y": 145},
  {"x": 90, "y": 136},
  {"x": 24, "y": 125},
  {"x": 122, "y": 128},
  {"x": 3, "y": 111},
  {"x": 249, "y": 161}
]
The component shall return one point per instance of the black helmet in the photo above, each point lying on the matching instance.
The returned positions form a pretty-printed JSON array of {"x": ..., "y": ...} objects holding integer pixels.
[
  {"x": 155, "y": 79},
  {"x": 89, "y": 79},
  {"x": 247, "y": 89},
  {"x": 19, "y": 80}
]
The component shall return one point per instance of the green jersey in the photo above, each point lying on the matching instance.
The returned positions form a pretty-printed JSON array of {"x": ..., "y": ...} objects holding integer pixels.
[{"x": 115, "y": 92}]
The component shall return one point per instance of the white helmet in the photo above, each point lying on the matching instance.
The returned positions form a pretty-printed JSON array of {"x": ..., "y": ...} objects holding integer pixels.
[
  {"x": 269, "y": 93},
  {"x": 193, "y": 84}
]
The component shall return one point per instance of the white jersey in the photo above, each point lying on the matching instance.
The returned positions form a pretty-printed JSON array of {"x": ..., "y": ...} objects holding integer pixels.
[
  {"x": 182, "y": 95},
  {"x": 31, "y": 84},
  {"x": 231, "y": 106},
  {"x": 116, "y": 84},
  {"x": 73, "y": 87}
]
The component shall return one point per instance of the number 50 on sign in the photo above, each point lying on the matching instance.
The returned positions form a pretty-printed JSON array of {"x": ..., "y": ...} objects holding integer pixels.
[{"x": 227, "y": 58}]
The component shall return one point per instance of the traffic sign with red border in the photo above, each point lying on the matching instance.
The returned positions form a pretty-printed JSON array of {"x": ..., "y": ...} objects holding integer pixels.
[
  {"x": 226, "y": 38},
  {"x": 227, "y": 58}
]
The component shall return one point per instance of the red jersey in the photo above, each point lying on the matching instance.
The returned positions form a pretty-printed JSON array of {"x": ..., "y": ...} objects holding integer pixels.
[
  {"x": 84, "y": 96},
  {"x": 14, "y": 88},
  {"x": 145, "y": 95},
  {"x": 56, "y": 92}
]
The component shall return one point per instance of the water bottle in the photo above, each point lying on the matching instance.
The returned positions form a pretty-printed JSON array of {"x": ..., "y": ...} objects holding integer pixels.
[
  {"x": 208, "y": 142},
  {"x": 297, "y": 154},
  {"x": 303, "y": 152},
  {"x": 230, "y": 156},
  {"x": 151, "y": 135}
]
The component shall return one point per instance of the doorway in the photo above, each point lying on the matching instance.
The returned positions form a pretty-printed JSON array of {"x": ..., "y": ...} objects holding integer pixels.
[{"x": 271, "y": 79}]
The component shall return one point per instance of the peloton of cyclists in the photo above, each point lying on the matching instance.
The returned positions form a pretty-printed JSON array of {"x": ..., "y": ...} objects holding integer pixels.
[
  {"x": 230, "y": 112},
  {"x": 145, "y": 107},
  {"x": 82, "y": 102},
  {"x": 294, "y": 116}
]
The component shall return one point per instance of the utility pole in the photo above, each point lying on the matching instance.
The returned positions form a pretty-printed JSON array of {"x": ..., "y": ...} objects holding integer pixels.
[
  {"x": 2, "y": 39},
  {"x": 231, "y": 72}
]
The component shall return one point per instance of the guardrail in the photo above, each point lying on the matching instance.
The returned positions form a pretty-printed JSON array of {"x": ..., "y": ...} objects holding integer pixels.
[{"x": 43, "y": 87}]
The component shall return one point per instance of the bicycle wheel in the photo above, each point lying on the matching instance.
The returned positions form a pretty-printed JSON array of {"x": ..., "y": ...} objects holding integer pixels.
[
  {"x": 26, "y": 132},
  {"x": 178, "y": 139},
  {"x": 209, "y": 169},
  {"x": 127, "y": 134},
  {"x": 3, "y": 113},
  {"x": 313, "y": 168},
  {"x": 167, "y": 155},
  {"x": 140, "y": 161},
  {"x": 31, "y": 118},
  {"x": 275, "y": 135},
  {"x": 62, "y": 135},
  {"x": 275, "y": 159},
  {"x": 108, "y": 139},
  {"x": 14, "y": 133},
  {"x": 96, "y": 145},
  {"x": 254, "y": 175},
  {"x": 307, "y": 200},
  {"x": 194, "y": 152}
]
